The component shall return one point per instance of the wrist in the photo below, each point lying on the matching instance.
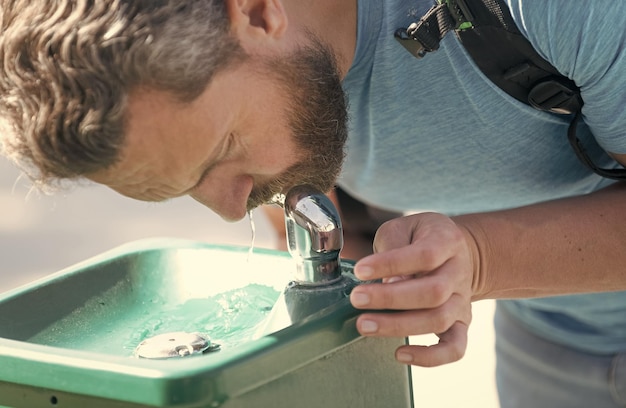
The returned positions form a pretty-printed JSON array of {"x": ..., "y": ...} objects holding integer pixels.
[{"x": 475, "y": 241}]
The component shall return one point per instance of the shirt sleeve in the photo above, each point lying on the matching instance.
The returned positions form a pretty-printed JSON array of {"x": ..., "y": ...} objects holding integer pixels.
[{"x": 585, "y": 41}]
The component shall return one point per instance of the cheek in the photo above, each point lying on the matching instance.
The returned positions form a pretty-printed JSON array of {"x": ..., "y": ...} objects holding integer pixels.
[
  {"x": 277, "y": 156},
  {"x": 273, "y": 146}
]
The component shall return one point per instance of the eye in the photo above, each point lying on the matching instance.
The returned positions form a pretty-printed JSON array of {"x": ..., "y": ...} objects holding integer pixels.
[
  {"x": 225, "y": 151},
  {"x": 228, "y": 146}
]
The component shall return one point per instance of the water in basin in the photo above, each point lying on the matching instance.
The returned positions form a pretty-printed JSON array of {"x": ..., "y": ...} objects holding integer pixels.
[
  {"x": 229, "y": 319},
  {"x": 112, "y": 306}
]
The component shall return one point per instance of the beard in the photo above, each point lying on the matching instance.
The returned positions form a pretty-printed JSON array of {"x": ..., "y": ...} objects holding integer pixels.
[{"x": 317, "y": 117}]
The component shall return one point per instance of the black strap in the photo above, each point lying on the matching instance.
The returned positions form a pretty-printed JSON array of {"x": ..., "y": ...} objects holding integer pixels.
[
  {"x": 615, "y": 174},
  {"x": 489, "y": 34}
]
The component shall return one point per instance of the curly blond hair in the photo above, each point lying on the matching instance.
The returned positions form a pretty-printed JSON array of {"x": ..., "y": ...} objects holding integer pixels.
[{"x": 68, "y": 66}]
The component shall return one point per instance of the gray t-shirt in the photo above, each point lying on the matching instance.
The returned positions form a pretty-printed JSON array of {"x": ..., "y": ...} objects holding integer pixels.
[{"x": 435, "y": 134}]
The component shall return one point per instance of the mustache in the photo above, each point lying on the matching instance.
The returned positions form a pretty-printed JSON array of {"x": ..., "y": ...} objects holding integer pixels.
[
  {"x": 321, "y": 174},
  {"x": 264, "y": 194}
]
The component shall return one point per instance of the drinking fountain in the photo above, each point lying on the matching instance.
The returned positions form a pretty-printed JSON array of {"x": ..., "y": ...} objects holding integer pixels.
[{"x": 174, "y": 323}]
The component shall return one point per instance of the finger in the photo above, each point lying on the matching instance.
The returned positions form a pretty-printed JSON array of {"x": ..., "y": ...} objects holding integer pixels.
[
  {"x": 451, "y": 347},
  {"x": 428, "y": 291},
  {"x": 415, "y": 322},
  {"x": 418, "y": 257},
  {"x": 410, "y": 245},
  {"x": 418, "y": 293},
  {"x": 408, "y": 260},
  {"x": 403, "y": 231}
]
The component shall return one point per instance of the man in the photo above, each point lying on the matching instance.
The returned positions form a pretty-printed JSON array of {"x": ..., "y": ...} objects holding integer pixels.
[{"x": 232, "y": 102}]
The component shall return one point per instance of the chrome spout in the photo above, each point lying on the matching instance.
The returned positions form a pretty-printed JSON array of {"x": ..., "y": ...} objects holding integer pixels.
[{"x": 314, "y": 235}]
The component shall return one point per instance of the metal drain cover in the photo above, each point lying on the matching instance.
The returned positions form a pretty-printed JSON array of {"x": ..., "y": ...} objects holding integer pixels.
[{"x": 175, "y": 344}]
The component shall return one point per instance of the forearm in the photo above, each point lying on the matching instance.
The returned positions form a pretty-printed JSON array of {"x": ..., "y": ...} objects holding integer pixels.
[{"x": 572, "y": 245}]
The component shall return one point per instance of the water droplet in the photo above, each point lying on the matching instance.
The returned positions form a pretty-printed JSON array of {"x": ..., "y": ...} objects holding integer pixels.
[{"x": 279, "y": 199}]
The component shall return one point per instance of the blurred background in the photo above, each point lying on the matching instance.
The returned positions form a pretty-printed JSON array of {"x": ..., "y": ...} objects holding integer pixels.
[{"x": 42, "y": 234}]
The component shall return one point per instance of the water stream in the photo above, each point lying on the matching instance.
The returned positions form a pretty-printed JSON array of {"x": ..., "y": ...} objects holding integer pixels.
[{"x": 253, "y": 238}]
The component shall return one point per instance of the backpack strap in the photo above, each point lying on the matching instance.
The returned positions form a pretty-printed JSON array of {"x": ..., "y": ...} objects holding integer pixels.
[{"x": 490, "y": 36}]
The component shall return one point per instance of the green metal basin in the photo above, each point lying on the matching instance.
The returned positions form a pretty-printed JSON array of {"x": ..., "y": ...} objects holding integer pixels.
[{"x": 68, "y": 340}]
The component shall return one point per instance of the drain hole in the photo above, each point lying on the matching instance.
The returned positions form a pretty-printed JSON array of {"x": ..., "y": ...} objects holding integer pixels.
[
  {"x": 175, "y": 344},
  {"x": 53, "y": 400}
]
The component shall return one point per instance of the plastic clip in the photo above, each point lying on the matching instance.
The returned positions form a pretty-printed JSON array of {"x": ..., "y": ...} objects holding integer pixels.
[
  {"x": 411, "y": 44},
  {"x": 556, "y": 96}
]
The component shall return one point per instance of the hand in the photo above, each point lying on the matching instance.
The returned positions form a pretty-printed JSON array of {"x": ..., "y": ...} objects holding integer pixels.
[{"x": 426, "y": 265}]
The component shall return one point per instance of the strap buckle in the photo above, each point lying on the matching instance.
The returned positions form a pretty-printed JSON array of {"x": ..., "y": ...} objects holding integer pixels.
[
  {"x": 411, "y": 44},
  {"x": 555, "y": 95},
  {"x": 424, "y": 36}
]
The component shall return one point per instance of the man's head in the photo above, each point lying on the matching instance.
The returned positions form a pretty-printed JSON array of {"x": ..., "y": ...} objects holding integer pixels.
[
  {"x": 69, "y": 65},
  {"x": 260, "y": 127},
  {"x": 76, "y": 74}
]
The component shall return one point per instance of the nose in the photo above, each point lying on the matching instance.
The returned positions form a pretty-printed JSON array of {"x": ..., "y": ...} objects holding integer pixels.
[{"x": 227, "y": 197}]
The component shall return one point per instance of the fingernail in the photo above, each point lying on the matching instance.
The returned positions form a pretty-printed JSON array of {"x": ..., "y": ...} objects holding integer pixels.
[
  {"x": 404, "y": 357},
  {"x": 360, "y": 299},
  {"x": 364, "y": 272},
  {"x": 368, "y": 326}
]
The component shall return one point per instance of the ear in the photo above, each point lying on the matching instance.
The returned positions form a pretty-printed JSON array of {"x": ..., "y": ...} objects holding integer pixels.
[{"x": 256, "y": 21}]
